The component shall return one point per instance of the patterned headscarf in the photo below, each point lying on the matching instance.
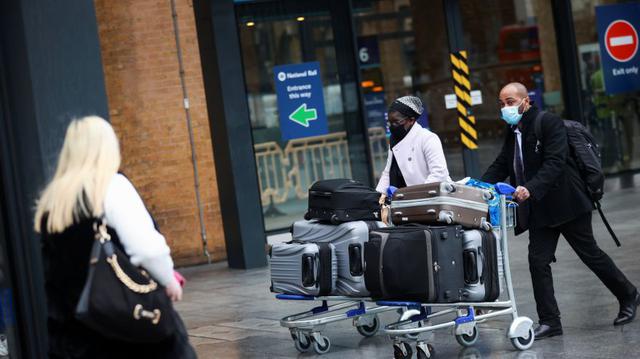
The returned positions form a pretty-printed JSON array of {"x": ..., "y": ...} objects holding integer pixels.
[{"x": 409, "y": 106}]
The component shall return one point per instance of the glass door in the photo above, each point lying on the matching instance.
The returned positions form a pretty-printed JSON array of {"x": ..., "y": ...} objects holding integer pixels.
[
  {"x": 300, "y": 111},
  {"x": 403, "y": 50}
]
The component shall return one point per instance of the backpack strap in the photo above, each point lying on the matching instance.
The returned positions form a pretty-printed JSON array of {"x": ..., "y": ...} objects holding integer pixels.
[{"x": 606, "y": 223}]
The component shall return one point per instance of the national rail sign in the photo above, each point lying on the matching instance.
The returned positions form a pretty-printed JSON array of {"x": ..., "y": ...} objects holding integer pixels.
[
  {"x": 300, "y": 100},
  {"x": 618, "y": 27}
]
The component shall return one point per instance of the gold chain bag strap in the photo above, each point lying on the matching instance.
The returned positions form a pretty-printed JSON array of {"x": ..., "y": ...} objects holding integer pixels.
[
  {"x": 103, "y": 236},
  {"x": 119, "y": 299}
]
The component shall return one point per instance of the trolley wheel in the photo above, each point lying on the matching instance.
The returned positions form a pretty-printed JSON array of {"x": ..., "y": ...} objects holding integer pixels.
[
  {"x": 425, "y": 353},
  {"x": 323, "y": 346},
  {"x": 369, "y": 330},
  {"x": 406, "y": 314},
  {"x": 414, "y": 336},
  {"x": 302, "y": 342},
  {"x": 402, "y": 350},
  {"x": 524, "y": 343},
  {"x": 468, "y": 340},
  {"x": 334, "y": 219}
]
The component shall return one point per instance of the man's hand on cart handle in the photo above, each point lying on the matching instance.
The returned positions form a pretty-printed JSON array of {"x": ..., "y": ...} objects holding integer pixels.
[{"x": 521, "y": 194}]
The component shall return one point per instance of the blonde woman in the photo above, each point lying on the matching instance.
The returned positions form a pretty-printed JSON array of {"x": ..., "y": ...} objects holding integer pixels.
[{"x": 86, "y": 186}]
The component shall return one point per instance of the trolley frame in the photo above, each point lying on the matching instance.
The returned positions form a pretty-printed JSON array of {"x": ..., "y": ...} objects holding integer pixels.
[{"x": 520, "y": 331}]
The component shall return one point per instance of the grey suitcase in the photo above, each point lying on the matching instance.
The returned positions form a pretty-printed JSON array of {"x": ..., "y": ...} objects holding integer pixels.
[
  {"x": 303, "y": 268},
  {"x": 349, "y": 239},
  {"x": 480, "y": 255}
]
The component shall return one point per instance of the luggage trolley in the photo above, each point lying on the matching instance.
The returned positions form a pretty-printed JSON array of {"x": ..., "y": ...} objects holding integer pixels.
[
  {"x": 463, "y": 316},
  {"x": 306, "y": 327}
]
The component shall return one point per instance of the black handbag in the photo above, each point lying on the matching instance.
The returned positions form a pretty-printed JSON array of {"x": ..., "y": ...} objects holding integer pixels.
[{"x": 120, "y": 300}]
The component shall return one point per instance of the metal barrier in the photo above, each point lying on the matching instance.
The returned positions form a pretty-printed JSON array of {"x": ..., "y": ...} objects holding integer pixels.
[
  {"x": 379, "y": 150},
  {"x": 286, "y": 174}
]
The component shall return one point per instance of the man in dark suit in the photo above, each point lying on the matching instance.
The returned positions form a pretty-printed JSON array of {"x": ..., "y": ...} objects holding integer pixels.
[{"x": 552, "y": 202}]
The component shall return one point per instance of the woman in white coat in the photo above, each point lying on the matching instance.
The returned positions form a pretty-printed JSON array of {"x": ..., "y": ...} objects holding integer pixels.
[{"x": 415, "y": 154}]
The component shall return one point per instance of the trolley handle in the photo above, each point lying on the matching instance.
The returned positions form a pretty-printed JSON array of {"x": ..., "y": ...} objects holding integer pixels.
[{"x": 504, "y": 189}]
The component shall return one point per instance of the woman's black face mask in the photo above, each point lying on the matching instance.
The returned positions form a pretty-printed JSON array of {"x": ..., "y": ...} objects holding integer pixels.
[
  {"x": 398, "y": 132},
  {"x": 399, "y": 126}
]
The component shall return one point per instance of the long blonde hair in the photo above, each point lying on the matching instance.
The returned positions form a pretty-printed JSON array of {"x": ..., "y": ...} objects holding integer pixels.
[{"x": 89, "y": 159}]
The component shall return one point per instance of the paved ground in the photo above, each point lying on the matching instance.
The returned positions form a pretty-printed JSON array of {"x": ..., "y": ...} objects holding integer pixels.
[{"x": 231, "y": 314}]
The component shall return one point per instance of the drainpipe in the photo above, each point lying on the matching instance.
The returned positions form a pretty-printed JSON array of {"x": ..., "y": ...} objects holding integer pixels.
[{"x": 176, "y": 33}]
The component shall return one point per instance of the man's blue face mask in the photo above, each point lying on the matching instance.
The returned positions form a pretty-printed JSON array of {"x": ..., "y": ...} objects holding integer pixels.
[{"x": 511, "y": 114}]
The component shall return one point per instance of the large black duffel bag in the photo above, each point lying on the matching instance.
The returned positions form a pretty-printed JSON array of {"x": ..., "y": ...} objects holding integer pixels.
[
  {"x": 342, "y": 200},
  {"x": 415, "y": 262}
]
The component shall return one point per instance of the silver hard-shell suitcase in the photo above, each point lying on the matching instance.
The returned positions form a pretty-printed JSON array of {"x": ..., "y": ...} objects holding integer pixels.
[
  {"x": 482, "y": 263},
  {"x": 348, "y": 239},
  {"x": 303, "y": 268}
]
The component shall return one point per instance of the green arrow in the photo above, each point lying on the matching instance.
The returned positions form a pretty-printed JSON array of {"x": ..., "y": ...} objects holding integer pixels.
[{"x": 302, "y": 115}]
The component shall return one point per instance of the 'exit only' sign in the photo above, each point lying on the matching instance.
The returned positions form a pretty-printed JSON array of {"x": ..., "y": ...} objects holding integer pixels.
[{"x": 618, "y": 38}]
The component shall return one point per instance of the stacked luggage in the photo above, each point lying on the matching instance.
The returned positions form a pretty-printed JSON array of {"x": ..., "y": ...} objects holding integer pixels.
[
  {"x": 326, "y": 253},
  {"x": 441, "y": 248}
]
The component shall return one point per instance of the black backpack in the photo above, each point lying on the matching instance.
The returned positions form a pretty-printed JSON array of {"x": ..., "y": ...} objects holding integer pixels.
[{"x": 585, "y": 152}]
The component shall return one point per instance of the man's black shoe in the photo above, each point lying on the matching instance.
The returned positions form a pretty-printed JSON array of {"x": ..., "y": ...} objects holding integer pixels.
[
  {"x": 628, "y": 310},
  {"x": 546, "y": 331}
]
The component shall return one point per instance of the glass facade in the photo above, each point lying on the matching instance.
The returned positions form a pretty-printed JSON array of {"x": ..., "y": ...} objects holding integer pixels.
[
  {"x": 286, "y": 33},
  {"x": 402, "y": 48},
  {"x": 613, "y": 119}
]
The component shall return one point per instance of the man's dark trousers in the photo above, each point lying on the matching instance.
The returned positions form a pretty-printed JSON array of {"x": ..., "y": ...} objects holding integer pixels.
[{"x": 579, "y": 235}]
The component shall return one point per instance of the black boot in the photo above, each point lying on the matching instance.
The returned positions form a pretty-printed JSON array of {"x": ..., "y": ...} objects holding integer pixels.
[
  {"x": 546, "y": 331},
  {"x": 628, "y": 310}
]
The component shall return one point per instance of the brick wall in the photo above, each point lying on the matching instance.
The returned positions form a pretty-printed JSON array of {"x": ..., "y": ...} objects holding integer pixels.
[{"x": 145, "y": 102}]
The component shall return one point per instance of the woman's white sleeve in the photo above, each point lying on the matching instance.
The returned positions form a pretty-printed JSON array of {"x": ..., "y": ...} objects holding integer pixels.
[
  {"x": 436, "y": 162},
  {"x": 383, "y": 184},
  {"x": 125, "y": 212}
]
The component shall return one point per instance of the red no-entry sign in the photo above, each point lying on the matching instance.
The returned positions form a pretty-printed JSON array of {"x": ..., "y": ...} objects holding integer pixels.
[{"x": 621, "y": 40}]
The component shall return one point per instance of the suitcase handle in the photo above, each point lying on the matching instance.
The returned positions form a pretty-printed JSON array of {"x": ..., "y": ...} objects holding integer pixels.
[
  {"x": 308, "y": 270},
  {"x": 320, "y": 194},
  {"x": 470, "y": 266},
  {"x": 355, "y": 260}
]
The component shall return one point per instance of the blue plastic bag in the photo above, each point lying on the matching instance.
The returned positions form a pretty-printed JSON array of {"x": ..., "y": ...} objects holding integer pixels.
[{"x": 494, "y": 202}]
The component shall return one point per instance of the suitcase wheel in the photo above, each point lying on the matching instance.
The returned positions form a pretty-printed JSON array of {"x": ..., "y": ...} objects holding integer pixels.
[
  {"x": 307, "y": 216},
  {"x": 447, "y": 187},
  {"x": 334, "y": 219}
]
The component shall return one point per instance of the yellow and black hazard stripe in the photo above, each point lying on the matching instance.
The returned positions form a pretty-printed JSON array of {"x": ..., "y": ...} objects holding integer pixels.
[{"x": 460, "y": 71}]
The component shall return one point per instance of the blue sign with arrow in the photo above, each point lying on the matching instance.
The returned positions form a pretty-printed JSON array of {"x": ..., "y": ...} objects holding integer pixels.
[{"x": 300, "y": 100}]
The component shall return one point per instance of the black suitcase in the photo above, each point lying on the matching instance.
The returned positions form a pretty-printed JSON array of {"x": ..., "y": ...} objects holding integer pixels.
[
  {"x": 342, "y": 200},
  {"x": 481, "y": 273},
  {"x": 416, "y": 263}
]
